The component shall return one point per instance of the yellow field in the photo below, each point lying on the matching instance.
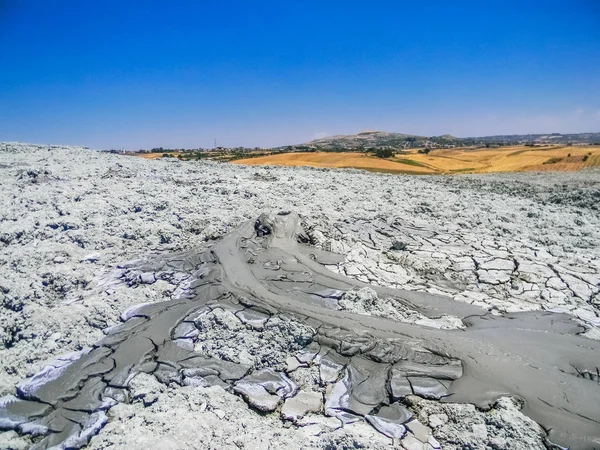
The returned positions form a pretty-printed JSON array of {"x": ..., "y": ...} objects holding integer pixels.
[
  {"x": 337, "y": 160},
  {"x": 465, "y": 160},
  {"x": 149, "y": 155}
]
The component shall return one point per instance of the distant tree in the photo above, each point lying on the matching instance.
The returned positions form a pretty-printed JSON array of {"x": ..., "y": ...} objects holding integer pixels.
[{"x": 384, "y": 153}]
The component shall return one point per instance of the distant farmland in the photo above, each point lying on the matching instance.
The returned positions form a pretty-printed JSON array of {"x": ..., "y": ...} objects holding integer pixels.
[{"x": 465, "y": 160}]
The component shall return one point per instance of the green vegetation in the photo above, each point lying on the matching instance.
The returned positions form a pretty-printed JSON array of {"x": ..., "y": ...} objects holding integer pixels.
[
  {"x": 518, "y": 152},
  {"x": 222, "y": 156},
  {"x": 466, "y": 169},
  {"x": 384, "y": 152},
  {"x": 197, "y": 156},
  {"x": 553, "y": 161},
  {"x": 410, "y": 162}
]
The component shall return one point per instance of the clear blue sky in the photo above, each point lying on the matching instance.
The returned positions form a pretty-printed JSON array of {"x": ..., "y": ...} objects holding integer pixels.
[{"x": 140, "y": 74}]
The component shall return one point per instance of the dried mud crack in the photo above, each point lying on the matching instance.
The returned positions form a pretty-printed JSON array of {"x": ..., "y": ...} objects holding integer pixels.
[
  {"x": 261, "y": 281},
  {"x": 402, "y": 316}
]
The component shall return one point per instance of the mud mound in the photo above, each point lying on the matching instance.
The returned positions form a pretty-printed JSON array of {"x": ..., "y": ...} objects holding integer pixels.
[{"x": 334, "y": 350}]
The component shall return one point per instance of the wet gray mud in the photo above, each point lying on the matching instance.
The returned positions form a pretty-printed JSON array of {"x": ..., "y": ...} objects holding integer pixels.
[{"x": 265, "y": 273}]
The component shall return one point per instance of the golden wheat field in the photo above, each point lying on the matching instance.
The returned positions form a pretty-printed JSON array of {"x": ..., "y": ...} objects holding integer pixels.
[
  {"x": 147, "y": 155},
  {"x": 334, "y": 160},
  {"x": 460, "y": 160}
]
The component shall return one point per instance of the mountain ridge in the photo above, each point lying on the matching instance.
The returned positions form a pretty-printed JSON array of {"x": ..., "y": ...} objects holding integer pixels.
[{"x": 381, "y": 139}]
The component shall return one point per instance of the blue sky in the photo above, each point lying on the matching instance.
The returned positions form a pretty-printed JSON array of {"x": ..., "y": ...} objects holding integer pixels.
[{"x": 140, "y": 74}]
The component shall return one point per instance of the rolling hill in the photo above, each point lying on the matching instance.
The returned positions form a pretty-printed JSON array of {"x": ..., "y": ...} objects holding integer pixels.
[{"x": 381, "y": 139}]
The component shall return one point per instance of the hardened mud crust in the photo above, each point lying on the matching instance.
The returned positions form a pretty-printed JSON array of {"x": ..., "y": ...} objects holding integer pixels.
[
  {"x": 422, "y": 311},
  {"x": 263, "y": 276}
]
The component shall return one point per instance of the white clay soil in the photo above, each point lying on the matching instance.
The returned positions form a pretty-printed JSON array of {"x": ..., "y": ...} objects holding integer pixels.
[{"x": 71, "y": 219}]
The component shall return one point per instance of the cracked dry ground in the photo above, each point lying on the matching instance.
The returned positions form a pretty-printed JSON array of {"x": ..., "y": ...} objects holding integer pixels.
[{"x": 327, "y": 345}]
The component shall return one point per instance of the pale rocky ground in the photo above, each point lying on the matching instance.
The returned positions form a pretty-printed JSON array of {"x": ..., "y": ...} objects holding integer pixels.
[{"x": 70, "y": 216}]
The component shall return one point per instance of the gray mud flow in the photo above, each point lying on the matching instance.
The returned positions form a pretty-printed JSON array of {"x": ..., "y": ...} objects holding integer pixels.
[{"x": 263, "y": 271}]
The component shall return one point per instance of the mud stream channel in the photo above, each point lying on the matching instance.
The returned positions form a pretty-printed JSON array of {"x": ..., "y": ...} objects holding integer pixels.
[{"x": 265, "y": 271}]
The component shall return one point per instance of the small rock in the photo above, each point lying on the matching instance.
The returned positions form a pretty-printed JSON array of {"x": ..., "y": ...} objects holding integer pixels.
[
  {"x": 296, "y": 407},
  {"x": 150, "y": 399},
  {"x": 428, "y": 387},
  {"x": 257, "y": 396},
  {"x": 308, "y": 354},
  {"x": 390, "y": 419},
  {"x": 185, "y": 330},
  {"x": 326, "y": 423},
  {"x": 147, "y": 278},
  {"x": 92, "y": 257},
  {"x": 434, "y": 443},
  {"x": 411, "y": 443},
  {"x": 274, "y": 382},
  {"x": 421, "y": 432},
  {"x": 400, "y": 386},
  {"x": 292, "y": 363},
  {"x": 398, "y": 246},
  {"x": 253, "y": 318},
  {"x": 437, "y": 420},
  {"x": 330, "y": 368}
]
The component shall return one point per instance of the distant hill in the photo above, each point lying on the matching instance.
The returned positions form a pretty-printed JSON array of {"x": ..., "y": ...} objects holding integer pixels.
[
  {"x": 553, "y": 138},
  {"x": 382, "y": 139}
]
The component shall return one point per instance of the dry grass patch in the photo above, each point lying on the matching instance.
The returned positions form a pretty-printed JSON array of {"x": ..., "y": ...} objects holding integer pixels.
[
  {"x": 150, "y": 155},
  {"x": 344, "y": 160}
]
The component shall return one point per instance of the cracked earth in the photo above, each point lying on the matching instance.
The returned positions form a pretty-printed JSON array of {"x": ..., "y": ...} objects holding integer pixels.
[{"x": 418, "y": 312}]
